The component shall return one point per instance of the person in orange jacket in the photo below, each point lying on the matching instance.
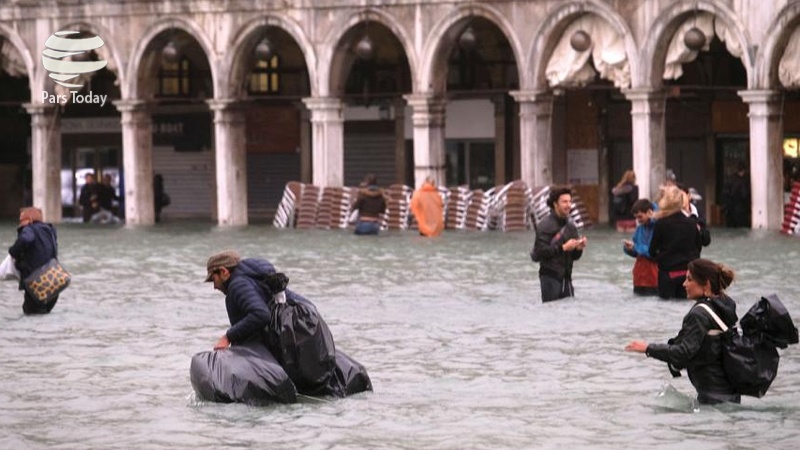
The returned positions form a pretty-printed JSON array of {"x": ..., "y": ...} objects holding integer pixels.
[{"x": 427, "y": 207}]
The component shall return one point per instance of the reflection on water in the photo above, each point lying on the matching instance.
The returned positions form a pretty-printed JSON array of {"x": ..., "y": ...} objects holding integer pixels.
[{"x": 461, "y": 352}]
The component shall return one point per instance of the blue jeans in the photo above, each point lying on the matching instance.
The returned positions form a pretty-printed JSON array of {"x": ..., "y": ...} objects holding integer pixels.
[{"x": 365, "y": 227}]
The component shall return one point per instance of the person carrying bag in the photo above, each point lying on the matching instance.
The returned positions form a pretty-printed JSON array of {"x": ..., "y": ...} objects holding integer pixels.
[{"x": 36, "y": 257}]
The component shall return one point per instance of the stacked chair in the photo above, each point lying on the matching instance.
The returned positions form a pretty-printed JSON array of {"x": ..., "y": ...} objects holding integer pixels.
[
  {"x": 285, "y": 214},
  {"x": 791, "y": 217},
  {"x": 397, "y": 207},
  {"x": 308, "y": 206},
  {"x": 511, "y": 207},
  {"x": 456, "y": 210}
]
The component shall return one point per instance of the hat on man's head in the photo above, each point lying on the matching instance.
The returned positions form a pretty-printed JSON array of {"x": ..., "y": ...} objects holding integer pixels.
[{"x": 227, "y": 259}]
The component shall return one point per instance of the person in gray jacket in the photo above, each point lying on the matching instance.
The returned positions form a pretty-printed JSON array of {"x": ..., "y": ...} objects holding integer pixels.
[{"x": 557, "y": 246}]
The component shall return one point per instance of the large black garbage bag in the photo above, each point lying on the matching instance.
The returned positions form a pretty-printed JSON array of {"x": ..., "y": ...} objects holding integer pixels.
[
  {"x": 299, "y": 338},
  {"x": 350, "y": 377},
  {"x": 750, "y": 363},
  {"x": 751, "y": 359},
  {"x": 246, "y": 373},
  {"x": 770, "y": 319}
]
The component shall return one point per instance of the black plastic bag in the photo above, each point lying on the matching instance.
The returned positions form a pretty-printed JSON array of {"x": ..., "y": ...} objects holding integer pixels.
[
  {"x": 750, "y": 363},
  {"x": 769, "y": 319},
  {"x": 750, "y": 360},
  {"x": 350, "y": 377},
  {"x": 246, "y": 373},
  {"x": 299, "y": 338}
]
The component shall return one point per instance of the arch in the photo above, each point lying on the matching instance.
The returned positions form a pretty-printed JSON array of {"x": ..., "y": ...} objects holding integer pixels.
[
  {"x": 433, "y": 45},
  {"x": 654, "y": 50},
  {"x": 226, "y": 87},
  {"x": 11, "y": 35},
  {"x": 780, "y": 31},
  {"x": 550, "y": 32},
  {"x": 131, "y": 89},
  {"x": 332, "y": 41},
  {"x": 105, "y": 34}
]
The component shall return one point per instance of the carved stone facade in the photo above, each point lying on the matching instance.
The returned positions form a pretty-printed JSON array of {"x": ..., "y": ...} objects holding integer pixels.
[{"x": 418, "y": 46}]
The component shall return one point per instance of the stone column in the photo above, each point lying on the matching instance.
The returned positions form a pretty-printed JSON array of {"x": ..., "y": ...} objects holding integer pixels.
[
  {"x": 649, "y": 139},
  {"x": 428, "y": 113},
  {"x": 230, "y": 158},
  {"x": 327, "y": 140},
  {"x": 46, "y": 159},
  {"x": 137, "y": 161},
  {"x": 766, "y": 158},
  {"x": 536, "y": 136},
  {"x": 305, "y": 144},
  {"x": 399, "y": 107},
  {"x": 499, "y": 139}
]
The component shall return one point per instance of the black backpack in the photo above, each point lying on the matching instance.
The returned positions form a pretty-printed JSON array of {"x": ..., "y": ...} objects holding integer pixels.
[{"x": 750, "y": 359}]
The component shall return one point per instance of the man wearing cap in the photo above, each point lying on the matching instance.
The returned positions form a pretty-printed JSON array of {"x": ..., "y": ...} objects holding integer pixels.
[{"x": 245, "y": 298}]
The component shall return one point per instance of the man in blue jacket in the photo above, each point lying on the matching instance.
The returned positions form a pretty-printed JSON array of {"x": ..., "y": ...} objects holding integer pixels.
[
  {"x": 245, "y": 298},
  {"x": 645, "y": 269}
]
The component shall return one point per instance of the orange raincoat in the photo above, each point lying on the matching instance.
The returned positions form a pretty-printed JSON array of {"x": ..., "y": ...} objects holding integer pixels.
[{"x": 426, "y": 205}]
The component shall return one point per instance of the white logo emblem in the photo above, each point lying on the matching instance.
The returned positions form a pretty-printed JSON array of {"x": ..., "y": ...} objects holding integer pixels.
[{"x": 59, "y": 47}]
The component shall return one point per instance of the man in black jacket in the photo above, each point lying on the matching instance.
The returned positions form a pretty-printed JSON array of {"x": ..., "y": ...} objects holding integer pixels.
[
  {"x": 557, "y": 246},
  {"x": 245, "y": 298}
]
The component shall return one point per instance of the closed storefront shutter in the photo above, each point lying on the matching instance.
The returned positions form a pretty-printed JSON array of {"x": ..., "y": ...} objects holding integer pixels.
[{"x": 188, "y": 179}]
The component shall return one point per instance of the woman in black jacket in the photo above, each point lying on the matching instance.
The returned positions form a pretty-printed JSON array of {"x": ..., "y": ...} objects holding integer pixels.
[
  {"x": 35, "y": 246},
  {"x": 698, "y": 347},
  {"x": 677, "y": 239}
]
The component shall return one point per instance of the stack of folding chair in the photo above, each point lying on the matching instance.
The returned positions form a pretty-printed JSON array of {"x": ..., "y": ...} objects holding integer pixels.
[
  {"x": 284, "y": 215},
  {"x": 791, "y": 216},
  {"x": 456, "y": 210},
  {"x": 307, "y": 207},
  {"x": 397, "y": 207}
]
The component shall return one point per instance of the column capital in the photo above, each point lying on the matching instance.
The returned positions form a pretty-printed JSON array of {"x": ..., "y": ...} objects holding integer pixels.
[
  {"x": 132, "y": 105},
  {"x": 39, "y": 108},
  {"x": 759, "y": 96},
  {"x": 424, "y": 100},
  {"x": 323, "y": 103},
  {"x": 224, "y": 104},
  {"x": 532, "y": 96},
  {"x": 427, "y": 109},
  {"x": 644, "y": 94}
]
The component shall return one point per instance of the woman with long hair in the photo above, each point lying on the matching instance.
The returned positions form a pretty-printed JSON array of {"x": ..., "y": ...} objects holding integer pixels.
[
  {"x": 698, "y": 346},
  {"x": 676, "y": 241}
]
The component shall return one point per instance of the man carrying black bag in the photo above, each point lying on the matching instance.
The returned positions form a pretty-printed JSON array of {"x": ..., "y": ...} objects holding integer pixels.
[
  {"x": 260, "y": 308},
  {"x": 245, "y": 297}
]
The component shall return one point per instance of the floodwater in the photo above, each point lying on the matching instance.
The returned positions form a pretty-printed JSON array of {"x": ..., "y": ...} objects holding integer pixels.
[{"x": 461, "y": 351}]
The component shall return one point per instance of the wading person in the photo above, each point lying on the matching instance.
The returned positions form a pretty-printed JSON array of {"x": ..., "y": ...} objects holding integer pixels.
[
  {"x": 370, "y": 206},
  {"x": 698, "y": 347},
  {"x": 645, "y": 270},
  {"x": 35, "y": 246},
  {"x": 245, "y": 298},
  {"x": 89, "y": 198},
  {"x": 626, "y": 192},
  {"x": 557, "y": 246},
  {"x": 677, "y": 239},
  {"x": 426, "y": 205}
]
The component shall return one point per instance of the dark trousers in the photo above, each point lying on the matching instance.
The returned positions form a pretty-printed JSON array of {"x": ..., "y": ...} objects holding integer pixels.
[
  {"x": 554, "y": 288},
  {"x": 32, "y": 306},
  {"x": 670, "y": 287}
]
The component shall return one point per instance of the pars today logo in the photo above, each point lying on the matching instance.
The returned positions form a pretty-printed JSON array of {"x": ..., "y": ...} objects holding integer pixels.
[{"x": 68, "y": 44}]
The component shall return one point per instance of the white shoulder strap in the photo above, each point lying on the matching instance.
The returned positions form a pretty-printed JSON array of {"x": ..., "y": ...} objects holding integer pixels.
[{"x": 714, "y": 316}]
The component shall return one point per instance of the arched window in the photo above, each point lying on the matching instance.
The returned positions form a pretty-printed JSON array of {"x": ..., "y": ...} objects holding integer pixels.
[
  {"x": 265, "y": 79},
  {"x": 174, "y": 78}
]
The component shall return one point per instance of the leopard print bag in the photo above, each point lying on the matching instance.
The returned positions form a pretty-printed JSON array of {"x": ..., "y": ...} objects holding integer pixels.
[{"x": 47, "y": 281}]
